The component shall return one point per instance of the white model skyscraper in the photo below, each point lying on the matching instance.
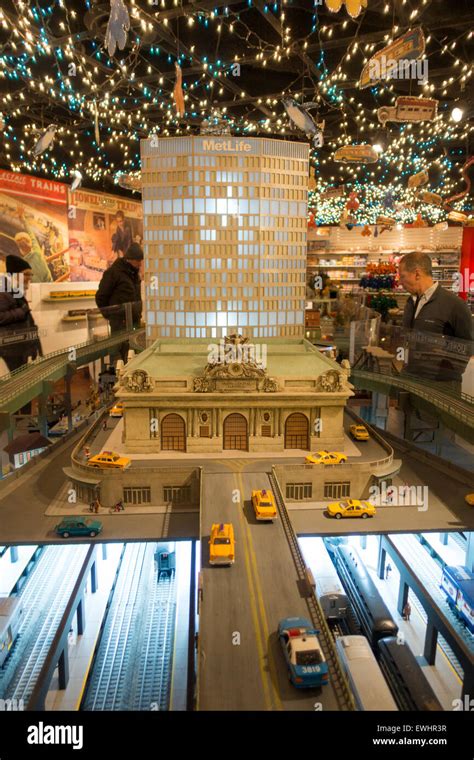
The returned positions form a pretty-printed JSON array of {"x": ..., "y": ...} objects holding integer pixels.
[{"x": 225, "y": 224}]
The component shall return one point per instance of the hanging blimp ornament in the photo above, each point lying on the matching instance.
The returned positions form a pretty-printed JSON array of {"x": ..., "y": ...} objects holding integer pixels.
[
  {"x": 117, "y": 27},
  {"x": 45, "y": 141},
  {"x": 304, "y": 121}
]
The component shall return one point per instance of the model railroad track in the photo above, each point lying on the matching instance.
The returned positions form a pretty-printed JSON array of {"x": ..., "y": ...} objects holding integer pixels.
[
  {"x": 44, "y": 598},
  {"x": 106, "y": 680},
  {"x": 337, "y": 677},
  {"x": 460, "y": 540},
  {"x": 155, "y": 663},
  {"x": 132, "y": 665},
  {"x": 429, "y": 574}
]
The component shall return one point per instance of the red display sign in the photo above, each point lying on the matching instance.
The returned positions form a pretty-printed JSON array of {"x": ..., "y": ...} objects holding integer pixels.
[{"x": 41, "y": 189}]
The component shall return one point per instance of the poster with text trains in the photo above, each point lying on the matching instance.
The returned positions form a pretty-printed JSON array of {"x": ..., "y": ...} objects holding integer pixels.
[
  {"x": 34, "y": 224},
  {"x": 101, "y": 227}
]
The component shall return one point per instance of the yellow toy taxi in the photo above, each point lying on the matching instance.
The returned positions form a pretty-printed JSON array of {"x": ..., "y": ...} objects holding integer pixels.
[
  {"x": 222, "y": 544},
  {"x": 351, "y": 508},
  {"x": 264, "y": 505},
  {"x": 326, "y": 457},
  {"x": 116, "y": 410},
  {"x": 359, "y": 432},
  {"x": 108, "y": 459}
]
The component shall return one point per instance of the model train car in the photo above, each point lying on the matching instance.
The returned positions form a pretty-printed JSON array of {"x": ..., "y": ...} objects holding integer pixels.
[
  {"x": 328, "y": 587},
  {"x": 364, "y": 675},
  {"x": 407, "y": 681},
  {"x": 369, "y": 607},
  {"x": 11, "y": 613},
  {"x": 59, "y": 294},
  {"x": 458, "y": 585}
]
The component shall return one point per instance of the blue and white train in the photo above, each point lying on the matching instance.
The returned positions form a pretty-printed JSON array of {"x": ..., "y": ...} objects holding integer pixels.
[{"x": 458, "y": 585}]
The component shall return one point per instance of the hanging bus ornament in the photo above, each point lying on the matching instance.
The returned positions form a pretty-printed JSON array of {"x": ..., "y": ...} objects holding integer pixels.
[
  {"x": 419, "y": 179},
  {"x": 409, "y": 109},
  {"x": 356, "y": 154},
  {"x": 353, "y": 7},
  {"x": 426, "y": 197},
  {"x": 394, "y": 59},
  {"x": 332, "y": 192}
]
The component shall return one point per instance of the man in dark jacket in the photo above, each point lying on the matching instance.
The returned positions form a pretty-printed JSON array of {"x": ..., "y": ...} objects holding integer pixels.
[
  {"x": 120, "y": 285},
  {"x": 433, "y": 310},
  {"x": 18, "y": 331}
]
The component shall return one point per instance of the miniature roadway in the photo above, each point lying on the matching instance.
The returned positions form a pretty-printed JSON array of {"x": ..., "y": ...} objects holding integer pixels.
[{"x": 31, "y": 504}]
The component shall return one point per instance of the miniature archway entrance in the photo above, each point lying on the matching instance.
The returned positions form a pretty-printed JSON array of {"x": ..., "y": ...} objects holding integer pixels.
[
  {"x": 173, "y": 433},
  {"x": 236, "y": 432},
  {"x": 297, "y": 432}
]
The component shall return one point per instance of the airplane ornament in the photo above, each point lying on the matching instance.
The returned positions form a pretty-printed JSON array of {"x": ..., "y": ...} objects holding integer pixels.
[
  {"x": 45, "y": 141},
  {"x": 304, "y": 121}
]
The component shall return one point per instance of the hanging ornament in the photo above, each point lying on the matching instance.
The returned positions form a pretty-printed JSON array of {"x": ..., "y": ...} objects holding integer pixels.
[
  {"x": 408, "y": 109},
  {"x": 2, "y": 122},
  {"x": 333, "y": 192},
  {"x": 304, "y": 121},
  {"x": 118, "y": 26},
  {"x": 356, "y": 154},
  {"x": 311, "y": 221},
  {"x": 416, "y": 180},
  {"x": 384, "y": 64},
  {"x": 458, "y": 216},
  {"x": 419, "y": 222},
  {"x": 178, "y": 92},
  {"x": 432, "y": 198},
  {"x": 388, "y": 200},
  {"x": 45, "y": 141},
  {"x": 441, "y": 226},
  {"x": 131, "y": 182},
  {"x": 467, "y": 180},
  {"x": 96, "y": 124},
  {"x": 376, "y": 231},
  {"x": 77, "y": 180},
  {"x": 312, "y": 178},
  {"x": 366, "y": 232},
  {"x": 353, "y": 7},
  {"x": 353, "y": 202}
]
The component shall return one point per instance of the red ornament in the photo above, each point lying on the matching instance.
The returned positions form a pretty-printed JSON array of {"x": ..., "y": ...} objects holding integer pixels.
[{"x": 353, "y": 202}]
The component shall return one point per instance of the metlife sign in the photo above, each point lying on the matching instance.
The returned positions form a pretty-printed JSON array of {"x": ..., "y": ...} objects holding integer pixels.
[{"x": 226, "y": 145}]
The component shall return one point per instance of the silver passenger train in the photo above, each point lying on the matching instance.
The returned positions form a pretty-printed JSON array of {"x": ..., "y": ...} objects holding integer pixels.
[
  {"x": 11, "y": 613},
  {"x": 328, "y": 587}
]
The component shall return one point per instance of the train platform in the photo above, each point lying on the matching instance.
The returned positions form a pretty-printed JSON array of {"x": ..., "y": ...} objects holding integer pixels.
[
  {"x": 442, "y": 676},
  {"x": 451, "y": 553},
  {"x": 81, "y": 648},
  {"x": 11, "y": 571}
]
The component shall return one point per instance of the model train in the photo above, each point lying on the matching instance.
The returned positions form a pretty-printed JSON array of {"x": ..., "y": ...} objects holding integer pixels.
[
  {"x": 11, "y": 613},
  {"x": 366, "y": 680},
  {"x": 458, "y": 585},
  {"x": 372, "y": 613},
  {"x": 329, "y": 591},
  {"x": 59, "y": 294},
  {"x": 406, "y": 679}
]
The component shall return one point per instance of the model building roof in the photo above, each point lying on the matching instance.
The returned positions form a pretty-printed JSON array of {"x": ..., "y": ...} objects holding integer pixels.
[{"x": 27, "y": 442}]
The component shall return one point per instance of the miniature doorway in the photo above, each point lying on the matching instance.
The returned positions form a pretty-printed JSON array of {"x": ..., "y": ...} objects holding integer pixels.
[
  {"x": 236, "y": 432},
  {"x": 173, "y": 433},
  {"x": 297, "y": 432}
]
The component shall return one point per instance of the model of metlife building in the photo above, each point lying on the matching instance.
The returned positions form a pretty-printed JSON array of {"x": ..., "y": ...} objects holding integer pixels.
[{"x": 225, "y": 224}]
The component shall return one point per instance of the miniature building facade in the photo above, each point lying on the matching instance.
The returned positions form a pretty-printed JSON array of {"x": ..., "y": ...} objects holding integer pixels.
[
  {"x": 177, "y": 398},
  {"x": 225, "y": 236}
]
